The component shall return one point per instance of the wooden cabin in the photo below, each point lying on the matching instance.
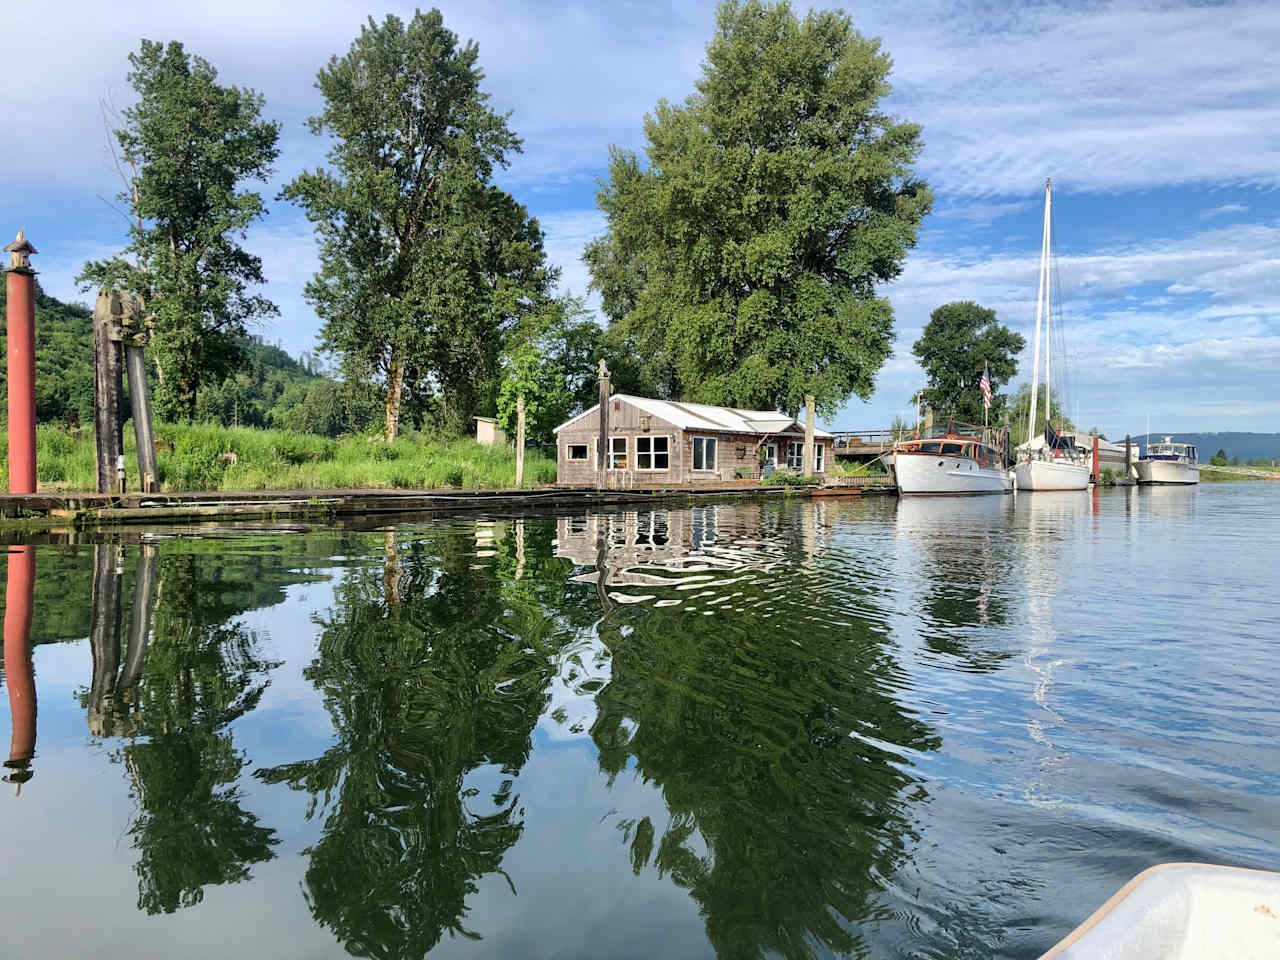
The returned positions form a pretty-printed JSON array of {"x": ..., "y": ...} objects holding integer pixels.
[{"x": 665, "y": 442}]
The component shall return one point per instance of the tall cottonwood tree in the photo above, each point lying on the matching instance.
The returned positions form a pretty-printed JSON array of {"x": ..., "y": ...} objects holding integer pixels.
[
  {"x": 744, "y": 258},
  {"x": 186, "y": 147},
  {"x": 425, "y": 265}
]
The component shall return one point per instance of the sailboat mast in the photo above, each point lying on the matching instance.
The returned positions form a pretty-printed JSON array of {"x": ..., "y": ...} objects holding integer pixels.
[
  {"x": 1040, "y": 289},
  {"x": 1048, "y": 300}
]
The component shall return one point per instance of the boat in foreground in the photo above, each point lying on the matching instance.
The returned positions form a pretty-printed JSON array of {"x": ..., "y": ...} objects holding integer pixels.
[
  {"x": 1183, "y": 910},
  {"x": 955, "y": 460},
  {"x": 1169, "y": 463}
]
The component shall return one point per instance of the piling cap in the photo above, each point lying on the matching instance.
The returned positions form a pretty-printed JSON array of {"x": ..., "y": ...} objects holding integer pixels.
[{"x": 20, "y": 251}]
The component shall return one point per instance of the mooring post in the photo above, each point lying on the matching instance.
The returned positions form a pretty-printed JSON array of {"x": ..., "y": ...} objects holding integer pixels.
[
  {"x": 602, "y": 454},
  {"x": 20, "y": 288},
  {"x": 107, "y": 387},
  {"x": 808, "y": 435},
  {"x": 1097, "y": 473},
  {"x": 135, "y": 335},
  {"x": 1128, "y": 455},
  {"x": 520, "y": 440},
  {"x": 19, "y": 676}
]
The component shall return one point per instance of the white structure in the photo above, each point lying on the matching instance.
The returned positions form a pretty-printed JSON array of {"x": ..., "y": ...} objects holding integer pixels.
[
  {"x": 1038, "y": 466},
  {"x": 489, "y": 433}
]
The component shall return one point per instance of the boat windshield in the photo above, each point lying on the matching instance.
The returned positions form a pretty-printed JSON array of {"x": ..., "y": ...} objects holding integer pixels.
[{"x": 952, "y": 428}]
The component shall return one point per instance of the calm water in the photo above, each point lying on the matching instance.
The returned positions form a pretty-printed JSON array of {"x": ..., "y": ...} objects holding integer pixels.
[{"x": 925, "y": 729}]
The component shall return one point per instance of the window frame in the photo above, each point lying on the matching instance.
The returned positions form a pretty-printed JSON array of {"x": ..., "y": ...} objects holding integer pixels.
[
  {"x": 614, "y": 453},
  {"x": 796, "y": 461},
  {"x": 819, "y": 465},
  {"x": 568, "y": 452},
  {"x": 652, "y": 453},
  {"x": 693, "y": 459}
]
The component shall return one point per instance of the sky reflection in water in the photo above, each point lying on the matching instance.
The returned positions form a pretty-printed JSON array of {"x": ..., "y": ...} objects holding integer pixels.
[{"x": 927, "y": 728}]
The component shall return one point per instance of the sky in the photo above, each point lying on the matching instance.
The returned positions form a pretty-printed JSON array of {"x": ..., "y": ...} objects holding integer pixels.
[{"x": 1156, "y": 121}]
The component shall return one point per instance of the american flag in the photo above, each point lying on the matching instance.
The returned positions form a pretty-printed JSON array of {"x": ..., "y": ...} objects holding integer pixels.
[{"x": 985, "y": 386}]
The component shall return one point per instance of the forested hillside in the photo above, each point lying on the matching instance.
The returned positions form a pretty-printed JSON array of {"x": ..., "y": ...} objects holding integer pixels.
[{"x": 268, "y": 389}]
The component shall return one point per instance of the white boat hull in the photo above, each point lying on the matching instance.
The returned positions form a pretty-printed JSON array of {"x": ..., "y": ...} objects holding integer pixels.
[
  {"x": 1167, "y": 471},
  {"x": 920, "y": 474},
  {"x": 1051, "y": 475}
]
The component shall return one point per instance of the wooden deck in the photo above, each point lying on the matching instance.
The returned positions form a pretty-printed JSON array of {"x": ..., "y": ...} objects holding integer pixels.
[{"x": 42, "y": 511}]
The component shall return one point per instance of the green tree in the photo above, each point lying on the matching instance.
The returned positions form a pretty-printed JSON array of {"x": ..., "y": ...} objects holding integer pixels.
[
  {"x": 744, "y": 259},
  {"x": 1219, "y": 459},
  {"x": 188, "y": 144},
  {"x": 528, "y": 373},
  {"x": 1019, "y": 411},
  {"x": 959, "y": 340},
  {"x": 424, "y": 264}
]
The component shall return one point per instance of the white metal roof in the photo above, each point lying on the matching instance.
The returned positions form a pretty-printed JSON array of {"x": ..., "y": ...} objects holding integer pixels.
[{"x": 702, "y": 416}]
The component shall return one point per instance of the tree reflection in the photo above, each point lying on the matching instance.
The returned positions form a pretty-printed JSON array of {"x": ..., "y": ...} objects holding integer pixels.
[
  {"x": 429, "y": 672},
  {"x": 779, "y": 750},
  {"x": 195, "y": 674}
]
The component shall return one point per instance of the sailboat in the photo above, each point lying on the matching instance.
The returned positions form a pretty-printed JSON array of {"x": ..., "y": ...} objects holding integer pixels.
[{"x": 1047, "y": 461}]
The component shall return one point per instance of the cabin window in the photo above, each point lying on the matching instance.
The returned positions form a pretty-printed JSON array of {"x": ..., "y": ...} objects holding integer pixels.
[
  {"x": 795, "y": 455},
  {"x": 704, "y": 453},
  {"x": 952, "y": 449},
  {"x": 929, "y": 447},
  {"x": 652, "y": 453},
  {"x": 618, "y": 453},
  {"x": 770, "y": 453},
  {"x": 817, "y": 457},
  {"x": 576, "y": 452}
]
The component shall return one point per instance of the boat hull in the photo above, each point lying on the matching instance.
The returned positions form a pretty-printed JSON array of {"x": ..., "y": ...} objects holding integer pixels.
[
  {"x": 1167, "y": 472},
  {"x": 1051, "y": 475},
  {"x": 921, "y": 475}
]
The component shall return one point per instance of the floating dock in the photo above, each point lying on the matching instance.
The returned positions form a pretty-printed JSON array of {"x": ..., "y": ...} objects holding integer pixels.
[{"x": 78, "y": 511}]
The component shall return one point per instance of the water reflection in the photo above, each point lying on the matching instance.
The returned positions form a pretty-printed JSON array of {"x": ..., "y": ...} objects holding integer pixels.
[
  {"x": 432, "y": 676},
  {"x": 736, "y": 721},
  {"x": 19, "y": 674}
]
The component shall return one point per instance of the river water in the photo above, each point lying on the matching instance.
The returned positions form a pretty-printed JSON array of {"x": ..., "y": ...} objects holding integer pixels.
[{"x": 928, "y": 728}]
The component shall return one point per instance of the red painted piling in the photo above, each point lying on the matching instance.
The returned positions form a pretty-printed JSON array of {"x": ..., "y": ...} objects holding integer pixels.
[
  {"x": 20, "y": 285},
  {"x": 19, "y": 675},
  {"x": 1097, "y": 474}
]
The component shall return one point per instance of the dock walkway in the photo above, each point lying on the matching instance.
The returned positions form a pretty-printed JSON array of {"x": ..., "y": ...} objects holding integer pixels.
[{"x": 91, "y": 510}]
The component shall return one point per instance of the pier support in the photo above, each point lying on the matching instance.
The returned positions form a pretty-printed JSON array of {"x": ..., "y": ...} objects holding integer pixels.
[
  {"x": 20, "y": 289},
  {"x": 808, "y": 435},
  {"x": 19, "y": 675}
]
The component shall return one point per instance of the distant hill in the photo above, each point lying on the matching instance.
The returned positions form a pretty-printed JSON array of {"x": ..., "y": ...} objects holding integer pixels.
[
  {"x": 64, "y": 372},
  {"x": 1246, "y": 446}
]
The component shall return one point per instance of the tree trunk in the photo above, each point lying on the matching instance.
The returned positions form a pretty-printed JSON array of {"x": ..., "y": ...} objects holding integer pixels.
[{"x": 395, "y": 387}]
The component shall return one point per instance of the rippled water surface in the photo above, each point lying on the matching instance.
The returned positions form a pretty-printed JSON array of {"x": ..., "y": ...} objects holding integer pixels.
[{"x": 929, "y": 728}]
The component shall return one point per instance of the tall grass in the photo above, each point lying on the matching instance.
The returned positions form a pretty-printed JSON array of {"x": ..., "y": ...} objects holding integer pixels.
[{"x": 204, "y": 457}]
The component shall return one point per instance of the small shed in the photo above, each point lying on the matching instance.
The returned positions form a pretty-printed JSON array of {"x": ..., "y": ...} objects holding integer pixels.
[
  {"x": 489, "y": 433},
  {"x": 657, "y": 442}
]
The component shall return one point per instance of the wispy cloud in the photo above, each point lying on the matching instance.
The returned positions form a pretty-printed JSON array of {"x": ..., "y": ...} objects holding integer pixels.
[{"x": 1224, "y": 210}]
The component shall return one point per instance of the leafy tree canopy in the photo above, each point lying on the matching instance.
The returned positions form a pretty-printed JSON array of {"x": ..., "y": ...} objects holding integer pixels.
[
  {"x": 187, "y": 145},
  {"x": 959, "y": 340},
  {"x": 424, "y": 264},
  {"x": 743, "y": 260}
]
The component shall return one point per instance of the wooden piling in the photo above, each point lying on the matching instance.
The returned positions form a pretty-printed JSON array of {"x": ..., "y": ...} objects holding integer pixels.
[
  {"x": 809, "y": 404},
  {"x": 520, "y": 440},
  {"x": 107, "y": 388}
]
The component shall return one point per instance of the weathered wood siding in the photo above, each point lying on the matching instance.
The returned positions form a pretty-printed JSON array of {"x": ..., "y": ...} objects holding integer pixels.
[{"x": 734, "y": 451}]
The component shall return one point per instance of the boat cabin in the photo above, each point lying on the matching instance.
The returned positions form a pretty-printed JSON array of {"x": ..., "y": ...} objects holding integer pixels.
[
  {"x": 955, "y": 440},
  {"x": 1168, "y": 450}
]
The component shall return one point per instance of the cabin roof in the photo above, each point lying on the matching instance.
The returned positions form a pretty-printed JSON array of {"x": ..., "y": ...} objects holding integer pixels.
[{"x": 705, "y": 417}]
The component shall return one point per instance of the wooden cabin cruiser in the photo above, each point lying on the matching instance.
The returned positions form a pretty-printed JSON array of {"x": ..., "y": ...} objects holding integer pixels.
[
  {"x": 954, "y": 460},
  {"x": 1169, "y": 462}
]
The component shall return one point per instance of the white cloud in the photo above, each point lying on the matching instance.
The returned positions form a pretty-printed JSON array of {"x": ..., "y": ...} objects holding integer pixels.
[{"x": 1223, "y": 210}]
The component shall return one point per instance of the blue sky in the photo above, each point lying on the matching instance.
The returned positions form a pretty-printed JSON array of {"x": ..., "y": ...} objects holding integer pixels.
[{"x": 1157, "y": 122}]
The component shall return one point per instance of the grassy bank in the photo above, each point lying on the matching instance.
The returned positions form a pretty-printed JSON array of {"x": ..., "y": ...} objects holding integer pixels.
[{"x": 242, "y": 458}]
